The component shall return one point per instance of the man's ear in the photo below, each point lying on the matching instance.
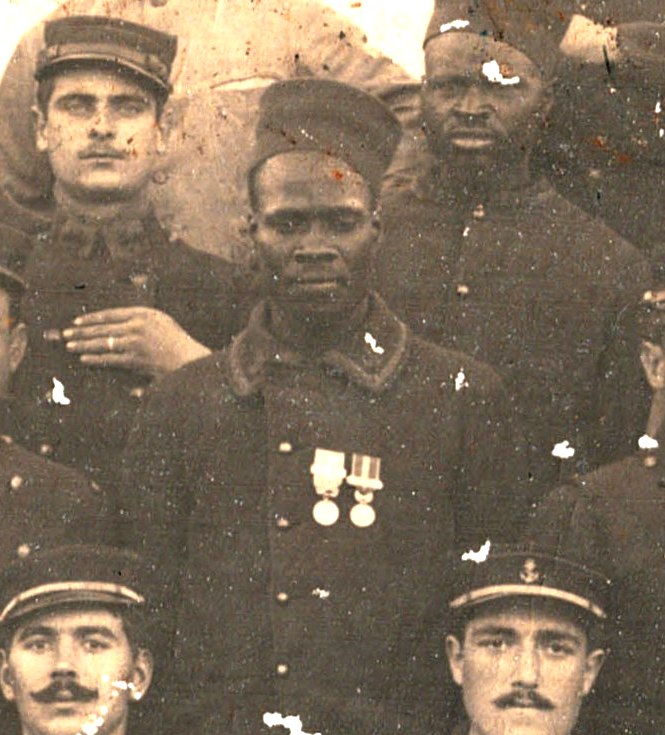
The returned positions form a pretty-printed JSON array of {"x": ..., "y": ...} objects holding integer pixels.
[
  {"x": 39, "y": 121},
  {"x": 455, "y": 654},
  {"x": 142, "y": 674},
  {"x": 592, "y": 667},
  {"x": 652, "y": 358},
  {"x": 171, "y": 119},
  {"x": 6, "y": 678},
  {"x": 18, "y": 343}
]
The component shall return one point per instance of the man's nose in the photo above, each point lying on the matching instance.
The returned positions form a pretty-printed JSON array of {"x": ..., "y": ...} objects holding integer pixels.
[
  {"x": 64, "y": 661},
  {"x": 314, "y": 252},
  {"x": 472, "y": 102},
  {"x": 527, "y": 667},
  {"x": 102, "y": 126}
]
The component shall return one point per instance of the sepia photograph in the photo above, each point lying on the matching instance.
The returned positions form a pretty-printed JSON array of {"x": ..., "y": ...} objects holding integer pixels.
[{"x": 332, "y": 367}]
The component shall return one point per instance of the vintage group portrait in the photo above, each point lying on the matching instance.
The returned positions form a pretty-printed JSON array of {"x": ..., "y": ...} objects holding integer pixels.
[{"x": 332, "y": 367}]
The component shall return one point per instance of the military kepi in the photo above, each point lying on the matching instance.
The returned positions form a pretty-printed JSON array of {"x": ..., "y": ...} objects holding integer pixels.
[
  {"x": 329, "y": 116},
  {"x": 524, "y": 572},
  {"x": 83, "y": 39},
  {"x": 72, "y": 575}
]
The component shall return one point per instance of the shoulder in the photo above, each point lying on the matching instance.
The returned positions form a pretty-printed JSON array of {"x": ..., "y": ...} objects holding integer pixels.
[{"x": 451, "y": 370}]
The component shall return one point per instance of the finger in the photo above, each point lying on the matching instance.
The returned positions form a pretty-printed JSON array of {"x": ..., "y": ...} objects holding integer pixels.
[
  {"x": 108, "y": 316},
  {"x": 100, "y": 331},
  {"x": 101, "y": 346},
  {"x": 111, "y": 359}
]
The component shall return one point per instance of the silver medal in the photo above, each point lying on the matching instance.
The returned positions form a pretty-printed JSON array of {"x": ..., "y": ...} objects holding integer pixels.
[
  {"x": 325, "y": 512},
  {"x": 362, "y": 515}
]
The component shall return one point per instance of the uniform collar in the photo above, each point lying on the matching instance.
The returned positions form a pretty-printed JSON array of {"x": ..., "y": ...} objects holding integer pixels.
[
  {"x": 372, "y": 355},
  {"x": 124, "y": 238}
]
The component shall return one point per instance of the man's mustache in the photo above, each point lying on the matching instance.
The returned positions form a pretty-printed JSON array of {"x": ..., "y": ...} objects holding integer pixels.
[
  {"x": 75, "y": 693},
  {"x": 526, "y": 698}
]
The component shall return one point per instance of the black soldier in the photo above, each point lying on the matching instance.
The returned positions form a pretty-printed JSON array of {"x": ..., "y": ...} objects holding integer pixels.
[
  {"x": 41, "y": 503},
  {"x": 619, "y": 511},
  {"x": 526, "y": 640},
  {"x": 112, "y": 299},
  {"x": 482, "y": 256},
  {"x": 307, "y": 481},
  {"x": 76, "y": 640}
]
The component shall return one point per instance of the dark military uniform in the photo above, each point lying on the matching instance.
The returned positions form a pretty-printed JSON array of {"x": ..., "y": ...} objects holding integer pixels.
[
  {"x": 535, "y": 287},
  {"x": 86, "y": 264},
  {"x": 276, "y": 612},
  {"x": 619, "y": 512},
  {"x": 82, "y": 268}
]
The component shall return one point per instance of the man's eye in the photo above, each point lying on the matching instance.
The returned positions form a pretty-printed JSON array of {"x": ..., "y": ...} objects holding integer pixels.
[
  {"x": 95, "y": 645},
  {"x": 289, "y": 225},
  {"x": 559, "y": 649},
  {"x": 343, "y": 223},
  {"x": 76, "y": 107},
  {"x": 36, "y": 645},
  {"x": 131, "y": 109},
  {"x": 496, "y": 643}
]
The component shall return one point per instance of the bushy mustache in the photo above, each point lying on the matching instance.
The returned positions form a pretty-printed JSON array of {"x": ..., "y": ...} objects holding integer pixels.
[
  {"x": 526, "y": 698},
  {"x": 53, "y": 692}
]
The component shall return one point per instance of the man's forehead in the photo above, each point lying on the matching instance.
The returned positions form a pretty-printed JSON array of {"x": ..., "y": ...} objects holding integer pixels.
[
  {"x": 97, "y": 82},
  {"x": 311, "y": 180},
  {"x": 70, "y": 617},
  {"x": 520, "y": 616},
  {"x": 464, "y": 54}
]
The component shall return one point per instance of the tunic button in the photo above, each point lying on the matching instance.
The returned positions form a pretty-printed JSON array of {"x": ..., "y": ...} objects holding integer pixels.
[
  {"x": 137, "y": 392},
  {"x": 45, "y": 450},
  {"x": 285, "y": 447},
  {"x": 479, "y": 212},
  {"x": 463, "y": 290},
  {"x": 282, "y": 597},
  {"x": 282, "y": 669},
  {"x": 16, "y": 482},
  {"x": 283, "y": 522}
]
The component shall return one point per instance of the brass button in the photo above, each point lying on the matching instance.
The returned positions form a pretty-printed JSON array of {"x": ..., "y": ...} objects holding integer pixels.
[
  {"x": 23, "y": 551},
  {"x": 282, "y": 669},
  {"x": 45, "y": 449},
  {"x": 463, "y": 290},
  {"x": 285, "y": 447},
  {"x": 137, "y": 392},
  {"x": 16, "y": 482},
  {"x": 283, "y": 523},
  {"x": 282, "y": 597}
]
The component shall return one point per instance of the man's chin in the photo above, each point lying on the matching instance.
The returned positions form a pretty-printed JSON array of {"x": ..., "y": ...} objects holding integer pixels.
[{"x": 523, "y": 721}]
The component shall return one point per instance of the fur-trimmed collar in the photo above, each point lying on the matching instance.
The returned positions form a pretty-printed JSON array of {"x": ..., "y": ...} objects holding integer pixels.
[{"x": 372, "y": 356}]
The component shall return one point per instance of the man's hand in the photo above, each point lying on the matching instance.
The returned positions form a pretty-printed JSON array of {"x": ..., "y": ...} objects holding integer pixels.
[{"x": 133, "y": 338}]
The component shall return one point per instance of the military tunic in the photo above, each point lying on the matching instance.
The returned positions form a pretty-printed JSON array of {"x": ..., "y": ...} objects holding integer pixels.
[
  {"x": 81, "y": 267},
  {"x": 532, "y": 285},
  {"x": 278, "y": 613},
  {"x": 618, "y": 513}
]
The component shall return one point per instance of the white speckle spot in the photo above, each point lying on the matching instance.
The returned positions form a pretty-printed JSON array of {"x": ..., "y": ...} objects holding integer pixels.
[
  {"x": 369, "y": 339},
  {"x": 478, "y": 556},
  {"x": 453, "y": 25},
  {"x": 661, "y": 133},
  {"x": 492, "y": 71},
  {"x": 658, "y": 108},
  {"x": 563, "y": 450},
  {"x": 647, "y": 442},
  {"x": 321, "y": 594},
  {"x": 292, "y": 723},
  {"x": 58, "y": 393},
  {"x": 460, "y": 380},
  {"x": 466, "y": 231}
]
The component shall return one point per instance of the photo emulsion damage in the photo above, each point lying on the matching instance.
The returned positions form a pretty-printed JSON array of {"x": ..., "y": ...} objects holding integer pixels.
[{"x": 332, "y": 367}]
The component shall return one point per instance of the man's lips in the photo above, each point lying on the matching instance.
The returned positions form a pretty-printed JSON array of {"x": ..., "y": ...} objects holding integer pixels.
[
  {"x": 101, "y": 154},
  {"x": 527, "y": 701}
]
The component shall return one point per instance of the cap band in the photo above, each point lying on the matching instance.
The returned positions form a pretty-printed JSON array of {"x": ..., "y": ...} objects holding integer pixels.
[
  {"x": 146, "y": 65},
  {"x": 71, "y": 592},
  {"x": 497, "y": 591}
]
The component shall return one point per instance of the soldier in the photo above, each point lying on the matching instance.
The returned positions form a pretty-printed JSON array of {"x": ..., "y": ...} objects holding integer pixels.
[
  {"x": 112, "y": 300},
  {"x": 481, "y": 255},
  {"x": 41, "y": 503},
  {"x": 352, "y": 452},
  {"x": 619, "y": 511},
  {"x": 75, "y": 640},
  {"x": 526, "y": 641}
]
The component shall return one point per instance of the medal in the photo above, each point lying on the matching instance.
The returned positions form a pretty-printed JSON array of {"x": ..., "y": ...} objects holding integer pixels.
[
  {"x": 328, "y": 474},
  {"x": 365, "y": 477}
]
